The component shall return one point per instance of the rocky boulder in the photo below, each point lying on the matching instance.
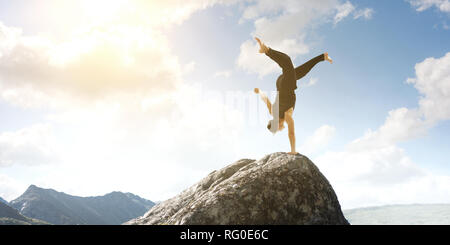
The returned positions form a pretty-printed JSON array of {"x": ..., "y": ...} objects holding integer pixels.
[{"x": 277, "y": 189}]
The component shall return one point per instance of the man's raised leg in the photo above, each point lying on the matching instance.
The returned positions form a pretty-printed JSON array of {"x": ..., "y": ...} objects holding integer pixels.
[{"x": 301, "y": 71}]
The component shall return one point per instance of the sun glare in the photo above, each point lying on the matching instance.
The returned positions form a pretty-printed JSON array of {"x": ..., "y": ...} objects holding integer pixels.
[{"x": 103, "y": 10}]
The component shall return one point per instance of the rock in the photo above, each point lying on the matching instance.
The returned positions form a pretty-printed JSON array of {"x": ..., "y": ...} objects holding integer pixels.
[{"x": 277, "y": 189}]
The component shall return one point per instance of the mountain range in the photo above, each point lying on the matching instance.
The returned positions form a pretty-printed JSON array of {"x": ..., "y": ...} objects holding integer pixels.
[
  {"x": 3, "y": 200},
  {"x": 10, "y": 216},
  {"x": 62, "y": 209},
  {"x": 39, "y": 206}
]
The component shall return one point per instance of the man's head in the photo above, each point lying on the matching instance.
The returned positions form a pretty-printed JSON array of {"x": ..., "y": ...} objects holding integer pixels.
[{"x": 272, "y": 125}]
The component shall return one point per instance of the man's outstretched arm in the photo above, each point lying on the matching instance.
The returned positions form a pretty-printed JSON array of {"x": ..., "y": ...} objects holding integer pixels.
[{"x": 265, "y": 99}]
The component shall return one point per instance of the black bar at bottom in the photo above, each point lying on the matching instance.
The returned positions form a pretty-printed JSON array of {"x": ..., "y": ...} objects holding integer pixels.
[{"x": 217, "y": 234}]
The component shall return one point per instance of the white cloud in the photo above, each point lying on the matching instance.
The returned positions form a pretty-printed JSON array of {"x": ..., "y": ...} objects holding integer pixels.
[
  {"x": 163, "y": 154},
  {"x": 29, "y": 146},
  {"x": 401, "y": 125},
  {"x": 10, "y": 188},
  {"x": 117, "y": 95},
  {"x": 172, "y": 11},
  {"x": 433, "y": 81},
  {"x": 71, "y": 15},
  {"x": 421, "y": 5},
  {"x": 374, "y": 170},
  {"x": 343, "y": 11},
  {"x": 284, "y": 25},
  {"x": 380, "y": 175},
  {"x": 225, "y": 73},
  {"x": 189, "y": 67},
  {"x": 250, "y": 60},
  {"x": 312, "y": 81},
  {"x": 153, "y": 153},
  {"x": 364, "y": 13},
  {"x": 93, "y": 65},
  {"x": 283, "y": 30},
  {"x": 445, "y": 26},
  {"x": 381, "y": 166},
  {"x": 318, "y": 140}
]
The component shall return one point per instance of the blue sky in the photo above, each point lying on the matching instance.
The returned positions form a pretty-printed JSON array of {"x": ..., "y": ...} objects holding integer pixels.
[{"x": 373, "y": 55}]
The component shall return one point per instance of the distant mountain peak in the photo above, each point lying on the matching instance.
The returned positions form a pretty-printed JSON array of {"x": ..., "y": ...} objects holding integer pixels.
[
  {"x": 3, "y": 200},
  {"x": 60, "y": 208},
  {"x": 33, "y": 188},
  {"x": 115, "y": 193},
  {"x": 10, "y": 216}
]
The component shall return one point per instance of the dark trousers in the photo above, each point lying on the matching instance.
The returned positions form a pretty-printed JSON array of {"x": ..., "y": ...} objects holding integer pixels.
[
  {"x": 286, "y": 82},
  {"x": 302, "y": 70},
  {"x": 284, "y": 61}
]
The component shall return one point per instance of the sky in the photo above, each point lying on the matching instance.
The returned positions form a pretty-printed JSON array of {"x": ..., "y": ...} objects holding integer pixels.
[{"x": 149, "y": 97}]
